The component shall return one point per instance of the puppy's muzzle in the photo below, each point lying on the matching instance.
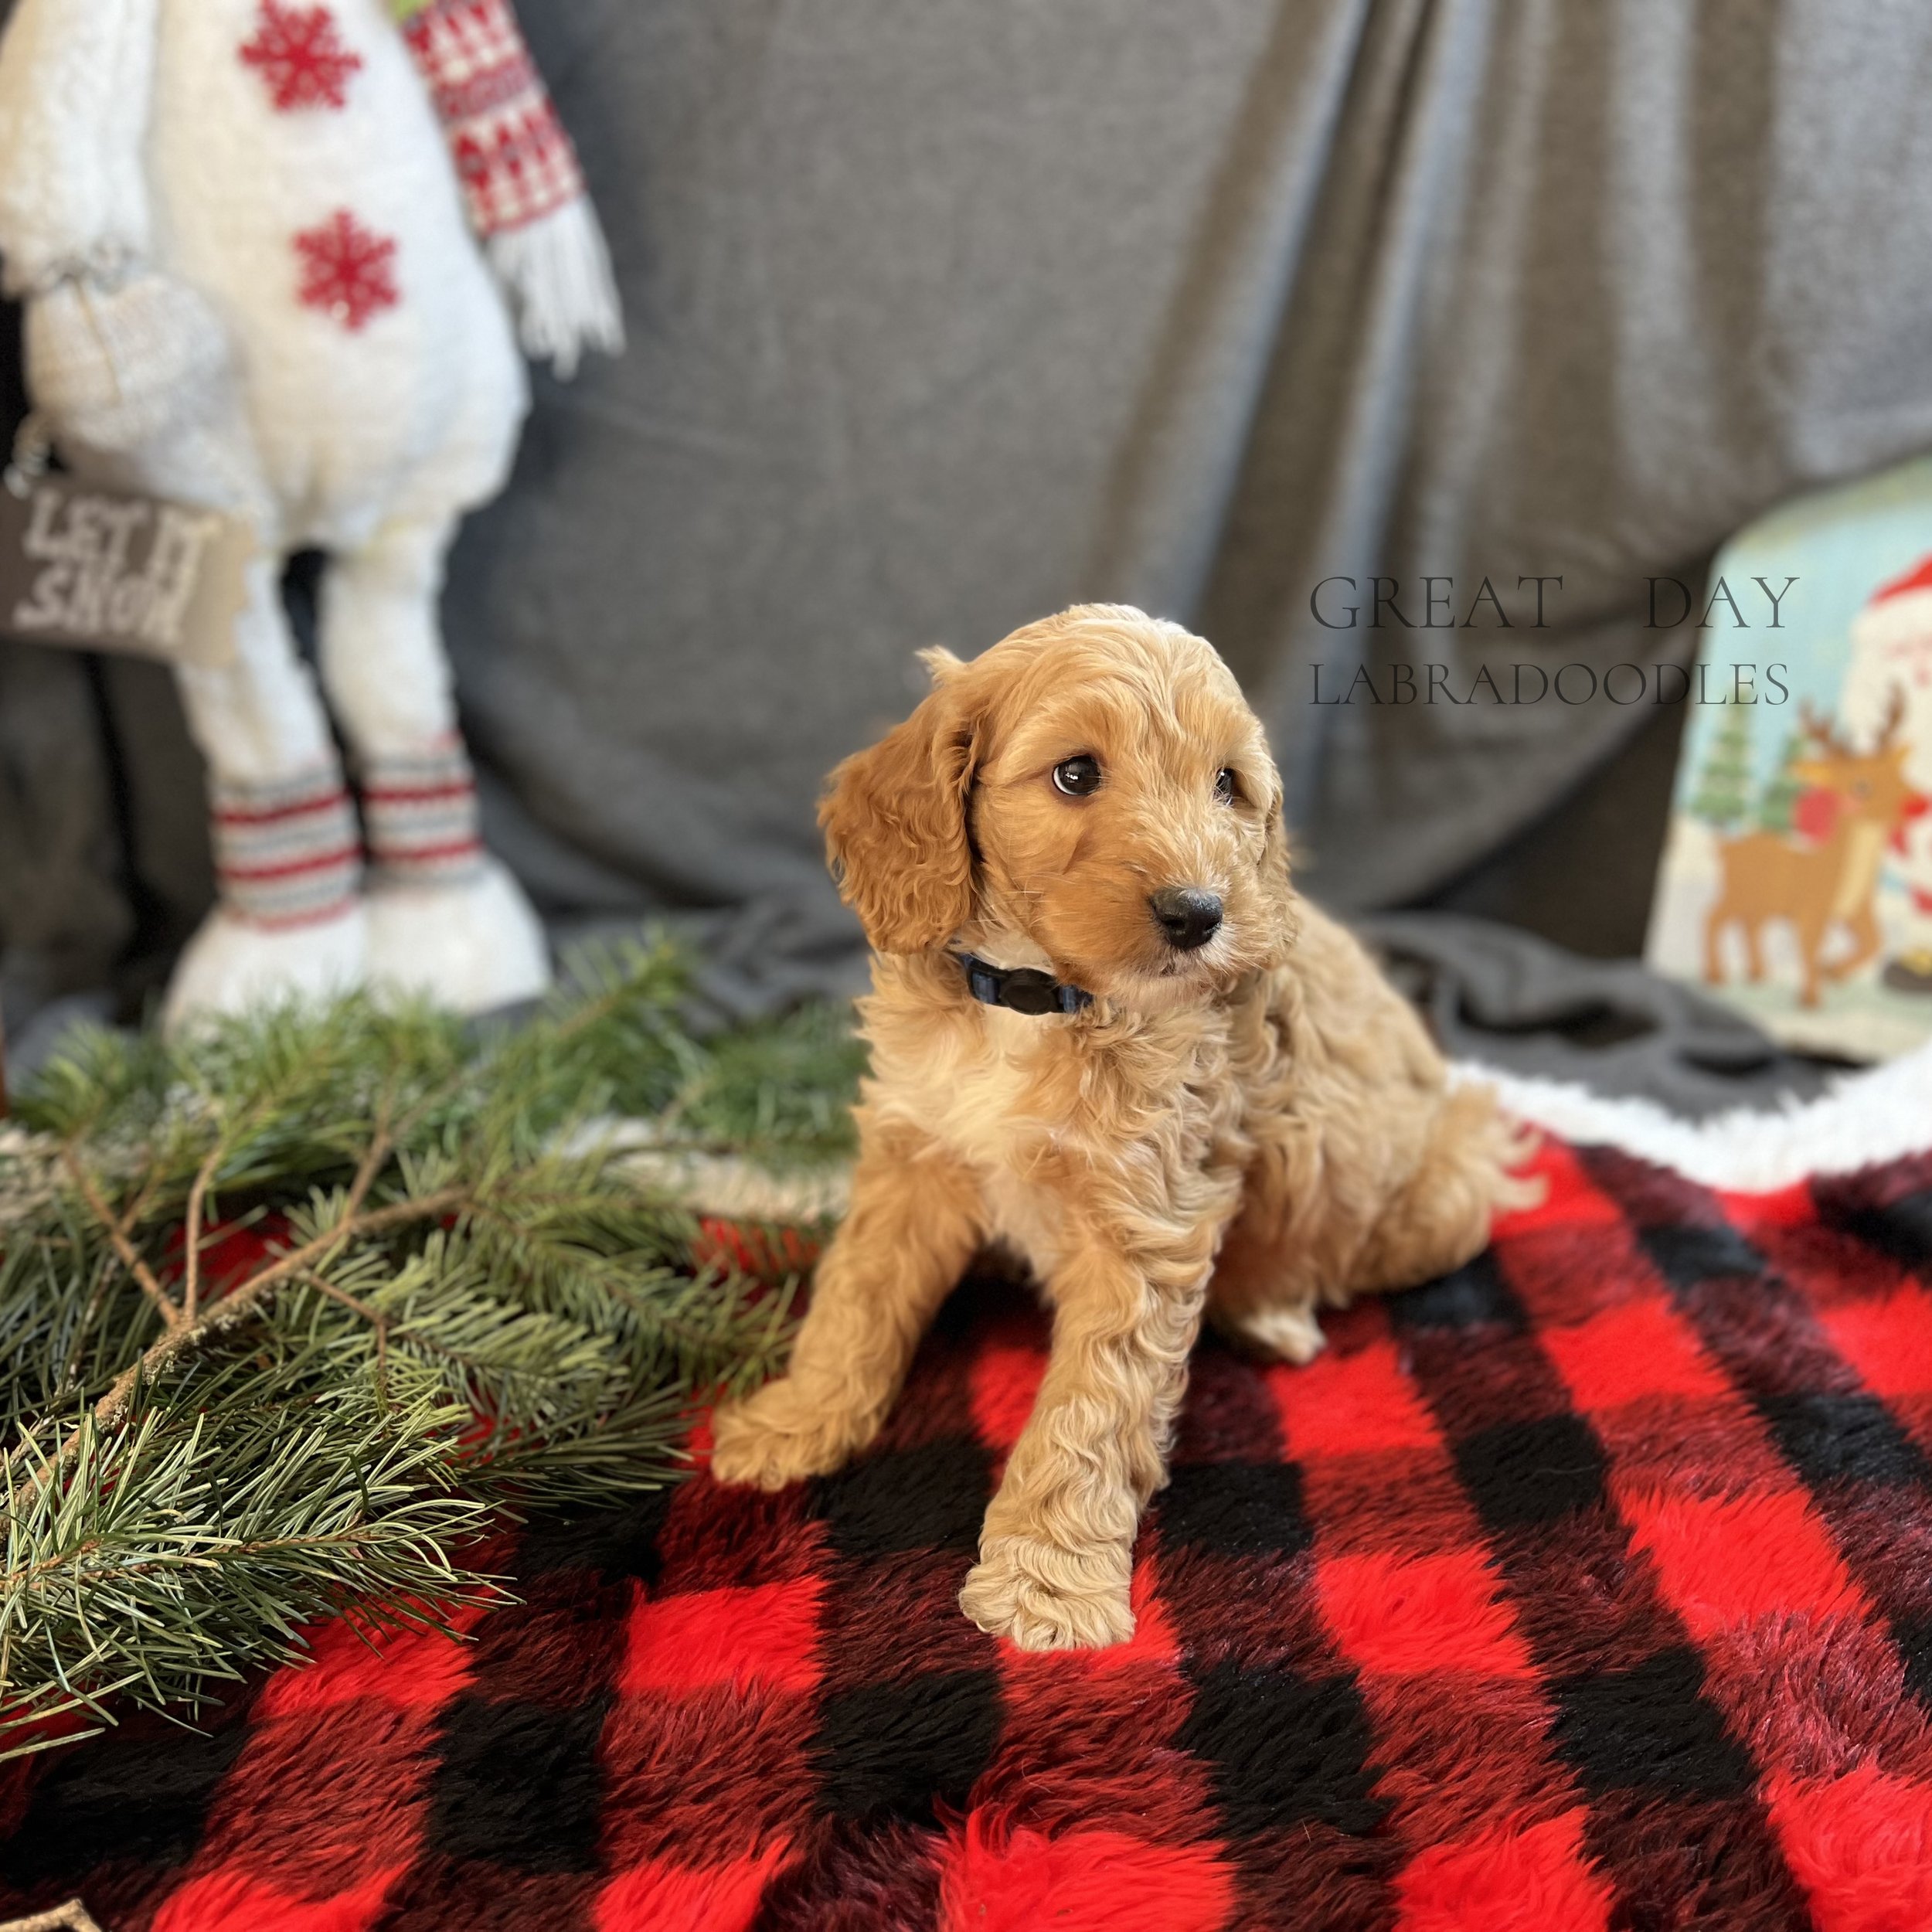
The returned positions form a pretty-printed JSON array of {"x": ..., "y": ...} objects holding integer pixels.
[{"x": 1188, "y": 916}]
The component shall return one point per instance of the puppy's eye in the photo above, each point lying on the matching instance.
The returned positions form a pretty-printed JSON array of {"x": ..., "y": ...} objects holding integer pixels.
[
  {"x": 1226, "y": 787},
  {"x": 1077, "y": 777}
]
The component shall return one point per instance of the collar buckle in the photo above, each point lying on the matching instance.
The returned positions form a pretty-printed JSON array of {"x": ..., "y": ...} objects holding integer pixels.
[{"x": 1021, "y": 989}]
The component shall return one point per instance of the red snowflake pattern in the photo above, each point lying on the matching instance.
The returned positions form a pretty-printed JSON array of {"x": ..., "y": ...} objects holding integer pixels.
[
  {"x": 298, "y": 52},
  {"x": 347, "y": 270}
]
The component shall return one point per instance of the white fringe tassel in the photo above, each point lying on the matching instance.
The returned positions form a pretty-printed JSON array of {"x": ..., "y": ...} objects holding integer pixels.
[{"x": 557, "y": 269}]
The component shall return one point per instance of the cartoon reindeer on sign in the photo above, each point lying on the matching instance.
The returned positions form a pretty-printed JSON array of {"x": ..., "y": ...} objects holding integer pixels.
[{"x": 1831, "y": 880}]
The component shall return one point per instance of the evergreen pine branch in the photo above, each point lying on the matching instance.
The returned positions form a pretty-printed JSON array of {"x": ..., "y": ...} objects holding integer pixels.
[
  {"x": 178, "y": 1551},
  {"x": 458, "y": 1305},
  {"x": 115, "y": 1226}
]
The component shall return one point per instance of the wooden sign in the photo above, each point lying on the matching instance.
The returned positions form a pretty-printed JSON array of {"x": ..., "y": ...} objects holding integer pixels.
[{"x": 107, "y": 570}]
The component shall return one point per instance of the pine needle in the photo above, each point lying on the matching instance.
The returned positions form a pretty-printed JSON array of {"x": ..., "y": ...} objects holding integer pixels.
[{"x": 295, "y": 1311}]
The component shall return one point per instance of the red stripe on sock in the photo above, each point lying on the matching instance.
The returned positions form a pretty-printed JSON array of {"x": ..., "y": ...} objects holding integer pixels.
[
  {"x": 282, "y": 922},
  {"x": 271, "y": 815},
  {"x": 388, "y": 854},
  {"x": 343, "y": 856},
  {"x": 412, "y": 794}
]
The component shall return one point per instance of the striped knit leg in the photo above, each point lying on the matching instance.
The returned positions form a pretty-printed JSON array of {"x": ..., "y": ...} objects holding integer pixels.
[
  {"x": 383, "y": 665},
  {"x": 287, "y": 849},
  {"x": 287, "y": 852},
  {"x": 419, "y": 811},
  {"x": 289, "y": 924},
  {"x": 445, "y": 921}
]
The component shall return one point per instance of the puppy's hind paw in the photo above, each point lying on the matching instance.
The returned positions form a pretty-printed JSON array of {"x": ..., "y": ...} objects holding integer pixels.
[
  {"x": 1291, "y": 1332},
  {"x": 1514, "y": 1143},
  {"x": 773, "y": 1438},
  {"x": 1041, "y": 1597}
]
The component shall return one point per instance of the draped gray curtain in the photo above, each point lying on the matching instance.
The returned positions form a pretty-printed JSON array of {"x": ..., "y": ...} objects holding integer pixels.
[{"x": 945, "y": 314}]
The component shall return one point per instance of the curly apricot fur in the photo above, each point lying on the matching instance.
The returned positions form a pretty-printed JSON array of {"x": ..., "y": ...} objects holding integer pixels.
[{"x": 1246, "y": 1131}]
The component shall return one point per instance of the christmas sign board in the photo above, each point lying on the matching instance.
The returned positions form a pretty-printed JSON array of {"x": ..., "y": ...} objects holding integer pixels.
[
  {"x": 107, "y": 570},
  {"x": 1797, "y": 880}
]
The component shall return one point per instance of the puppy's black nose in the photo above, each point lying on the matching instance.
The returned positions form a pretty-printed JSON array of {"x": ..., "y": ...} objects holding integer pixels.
[{"x": 1189, "y": 916}]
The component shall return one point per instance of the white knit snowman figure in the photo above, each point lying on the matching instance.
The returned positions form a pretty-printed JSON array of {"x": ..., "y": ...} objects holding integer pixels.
[{"x": 247, "y": 233}]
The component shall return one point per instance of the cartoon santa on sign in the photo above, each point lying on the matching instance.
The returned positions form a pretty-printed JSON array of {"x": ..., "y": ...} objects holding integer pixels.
[
  {"x": 1892, "y": 666},
  {"x": 265, "y": 248}
]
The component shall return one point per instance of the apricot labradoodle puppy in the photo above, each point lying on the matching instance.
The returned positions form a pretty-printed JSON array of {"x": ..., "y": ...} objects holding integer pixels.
[{"x": 1106, "y": 1035}]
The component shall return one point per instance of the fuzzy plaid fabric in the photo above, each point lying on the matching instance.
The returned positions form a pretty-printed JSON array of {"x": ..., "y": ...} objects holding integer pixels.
[{"x": 1589, "y": 1587}]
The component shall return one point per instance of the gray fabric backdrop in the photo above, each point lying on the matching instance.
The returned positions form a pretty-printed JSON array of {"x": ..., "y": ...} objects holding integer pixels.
[{"x": 945, "y": 314}]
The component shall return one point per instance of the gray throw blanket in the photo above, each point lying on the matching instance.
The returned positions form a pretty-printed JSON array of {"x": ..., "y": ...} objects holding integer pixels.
[{"x": 944, "y": 316}]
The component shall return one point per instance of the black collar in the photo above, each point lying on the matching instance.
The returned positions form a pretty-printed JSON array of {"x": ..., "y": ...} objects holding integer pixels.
[{"x": 1021, "y": 989}]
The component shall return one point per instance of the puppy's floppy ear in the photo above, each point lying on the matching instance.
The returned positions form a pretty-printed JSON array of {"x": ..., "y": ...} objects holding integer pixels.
[
  {"x": 895, "y": 821},
  {"x": 1277, "y": 890}
]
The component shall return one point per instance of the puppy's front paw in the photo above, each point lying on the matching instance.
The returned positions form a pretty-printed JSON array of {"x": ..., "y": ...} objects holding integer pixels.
[
  {"x": 1042, "y": 1597},
  {"x": 774, "y": 1437}
]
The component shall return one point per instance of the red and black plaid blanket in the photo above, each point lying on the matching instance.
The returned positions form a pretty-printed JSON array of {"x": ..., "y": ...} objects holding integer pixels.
[{"x": 1591, "y": 1586}]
